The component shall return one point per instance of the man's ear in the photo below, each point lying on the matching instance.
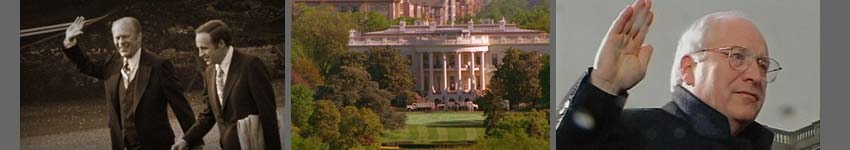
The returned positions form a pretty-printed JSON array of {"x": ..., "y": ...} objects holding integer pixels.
[
  {"x": 220, "y": 43},
  {"x": 686, "y": 68}
]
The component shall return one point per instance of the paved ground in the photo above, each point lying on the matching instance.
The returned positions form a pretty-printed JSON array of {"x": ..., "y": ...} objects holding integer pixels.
[
  {"x": 98, "y": 138},
  {"x": 63, "y": 124}
]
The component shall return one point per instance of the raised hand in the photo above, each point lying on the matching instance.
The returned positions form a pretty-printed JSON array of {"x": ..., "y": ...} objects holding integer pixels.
[
  {"x": 622, "y": 59},
  {"x": 74, "y": 30}
]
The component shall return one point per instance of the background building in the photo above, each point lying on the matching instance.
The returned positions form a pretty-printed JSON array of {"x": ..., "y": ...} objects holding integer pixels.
[
  {"x": 439, "y": 11},
  {"x": 452, "y": 63}
]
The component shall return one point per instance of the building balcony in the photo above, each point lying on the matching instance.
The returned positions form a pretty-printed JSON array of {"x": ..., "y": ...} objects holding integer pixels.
[
  {"x": 804, "y": 138},
  {"x": 462, "y": 68},
  {"x": 460, "y": 40}
]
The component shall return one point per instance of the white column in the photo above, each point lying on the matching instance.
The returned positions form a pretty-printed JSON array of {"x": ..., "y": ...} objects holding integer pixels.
[
  {"x": 472, "y": 71},
  {"x": 453, "y": 10},
  {"x": 431, "y": 71},
  {"x": 458, "y": 81},
  {"x": 445, "y": 74},
  {"x": 483, "y": 71},
  {"x": 445, "y": 11},
  {"x": 421, "y": 72}
]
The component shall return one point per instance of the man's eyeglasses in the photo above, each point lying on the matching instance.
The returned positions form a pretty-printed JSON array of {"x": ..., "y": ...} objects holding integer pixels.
[{"x": 741, "y": 57}]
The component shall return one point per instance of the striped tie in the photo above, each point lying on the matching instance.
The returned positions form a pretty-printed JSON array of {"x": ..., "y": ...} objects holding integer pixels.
[
  {"x": 219, "y": 84},
  {"x": 125, "y": 72}
]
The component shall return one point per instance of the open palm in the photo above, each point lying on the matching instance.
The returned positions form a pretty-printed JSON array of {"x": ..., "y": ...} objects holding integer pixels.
[
  {"x": 622, "y": 59},
  {"x": 74, "y": 30}
]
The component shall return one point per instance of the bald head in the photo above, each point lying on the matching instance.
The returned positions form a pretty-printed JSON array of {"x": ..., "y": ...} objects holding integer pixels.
[
  {"x": 732, "y": 29},
  {"x": 127, "y": 36},
  {"x": 707, "y": 30}
]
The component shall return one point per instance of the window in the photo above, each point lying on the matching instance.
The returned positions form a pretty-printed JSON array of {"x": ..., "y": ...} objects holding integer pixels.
[
  {"x": 478, "y": 82},
  {"x": 426, "y": 62},
  {"x": 452, "y": 84},
  {"x": 451, "y": 61}
]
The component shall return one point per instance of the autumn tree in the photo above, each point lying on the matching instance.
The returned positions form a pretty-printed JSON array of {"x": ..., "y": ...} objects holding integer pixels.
[
  {"x": 359, "y": 129},
  {"x": 324, "y": 122},
  {"x": 351, "y": 85},
  {"x": 322, "y": 34}
]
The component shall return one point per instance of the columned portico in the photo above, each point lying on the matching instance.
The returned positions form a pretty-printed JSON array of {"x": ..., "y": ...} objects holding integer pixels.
[
  {"x": 483, "y": 72},
  {"x": 458, "y": 57},
  {"x": 445, "y": 74},
  {"x": 459, "y": 76},
  {"x": 472, "y": 72},
  {"x": 421, "y": 72}
]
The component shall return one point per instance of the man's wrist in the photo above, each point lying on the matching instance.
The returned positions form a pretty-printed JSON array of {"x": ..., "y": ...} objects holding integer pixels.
[
  {"x": 68, "y": 43},
  {"x": 603, "y": 85}
]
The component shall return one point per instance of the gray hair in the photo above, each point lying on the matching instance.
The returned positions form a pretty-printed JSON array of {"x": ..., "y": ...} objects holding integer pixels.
[
  {"x": 132, "y": 21},
  {"x": 691, "y": 41}
]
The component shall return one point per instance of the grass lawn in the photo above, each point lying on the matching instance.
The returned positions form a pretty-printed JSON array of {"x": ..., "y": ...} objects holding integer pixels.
[{"x": 437, "y": 128}]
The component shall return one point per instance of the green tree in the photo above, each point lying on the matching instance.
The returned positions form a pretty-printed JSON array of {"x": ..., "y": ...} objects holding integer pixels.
[
  {"x": 310, "y": 143},
  {"x": 525, "y": 14},
  {"x": 544, "y": 82},
  {"x": 389, "y": 68},
  {"x": 302, "y": 105},
  {"x": 406, "y": 19},
  {"x": 324, "y": 123},
  {"x": 517, "y": 77},
  {"x": 491, "y": 105},
  {"x": 322, "y": 33},
  {"x": 352, "y": 86},
  {"x": 514, "y": 140},
  {"x": 370, "y": 21},
  {"x": 532, "y": 123}
]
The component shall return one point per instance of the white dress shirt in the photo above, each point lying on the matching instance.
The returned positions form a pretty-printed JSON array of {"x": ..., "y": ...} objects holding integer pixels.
[
  {"x": 133, "y": 65},
  {"x": 221, "y": 74}
]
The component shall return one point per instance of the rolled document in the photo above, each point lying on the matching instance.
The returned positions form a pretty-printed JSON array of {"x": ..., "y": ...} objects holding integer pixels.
[{"x": 250, "y": 133}]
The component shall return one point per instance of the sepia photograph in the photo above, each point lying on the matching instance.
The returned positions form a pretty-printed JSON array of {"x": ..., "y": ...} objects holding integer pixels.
[{"x": 152, "y": 74}]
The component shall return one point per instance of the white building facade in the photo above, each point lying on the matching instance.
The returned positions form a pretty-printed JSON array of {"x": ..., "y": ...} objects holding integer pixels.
[{"x": 452, "y": 63}]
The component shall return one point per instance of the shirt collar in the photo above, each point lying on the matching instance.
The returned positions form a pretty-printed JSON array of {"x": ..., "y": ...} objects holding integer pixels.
[
  {"x": 709, "y": 122},
  {"x": 225, "y": 63},
  {"x": 133, "y": 61}
]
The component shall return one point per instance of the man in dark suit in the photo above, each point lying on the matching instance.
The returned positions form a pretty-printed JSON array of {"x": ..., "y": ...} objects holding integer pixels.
[
  {"x": 238, "y": 88},
  {"x": 718, "y": 85},
  {"x": 139, "y": 85}
]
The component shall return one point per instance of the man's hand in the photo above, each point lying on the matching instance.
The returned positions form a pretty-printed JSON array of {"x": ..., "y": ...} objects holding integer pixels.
[
  {"x": 623, "y": 57},
  {"x": 180, "y": 145},
  {"x": 74, "y": 30}
]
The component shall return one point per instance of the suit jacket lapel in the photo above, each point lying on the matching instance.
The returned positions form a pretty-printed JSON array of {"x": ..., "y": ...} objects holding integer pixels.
[
  {"x": 111, "y": 84},
  {"x": 232, "y": 76},
  {"x": 141, "y": 79}
]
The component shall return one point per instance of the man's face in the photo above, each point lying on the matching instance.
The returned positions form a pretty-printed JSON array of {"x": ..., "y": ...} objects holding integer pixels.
[
  {"x": 126, "y": 38},
  {"x": 738, "y": 94},
  {"x": 211, "y": 52}
]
